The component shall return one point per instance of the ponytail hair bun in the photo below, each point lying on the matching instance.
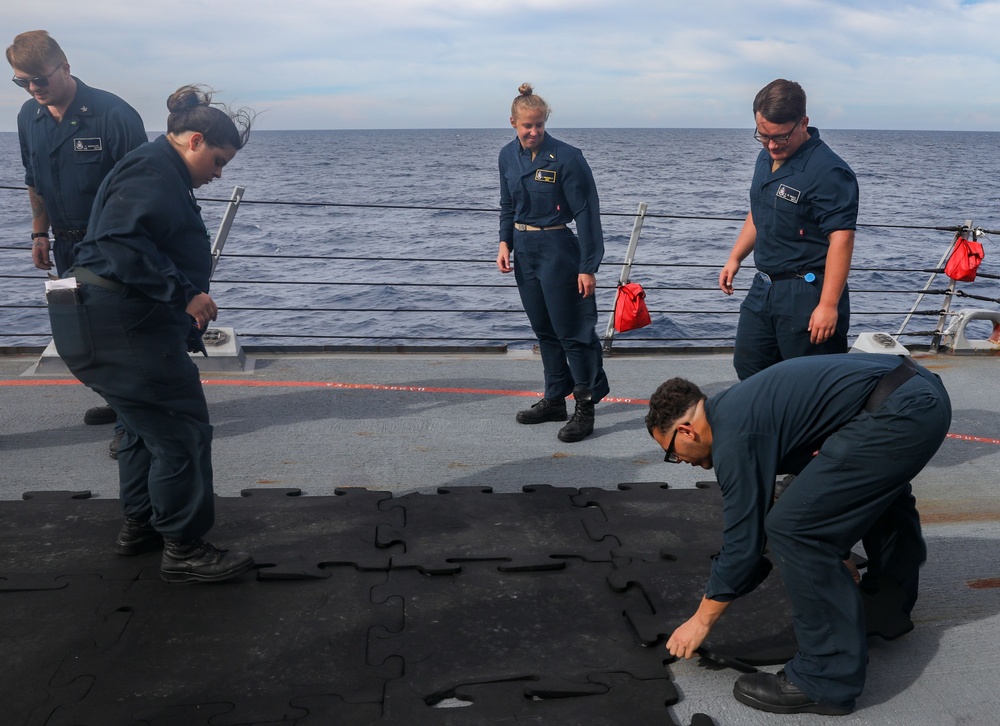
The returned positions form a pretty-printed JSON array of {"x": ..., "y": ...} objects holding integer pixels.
[
  {"x": 191, "y": 109},
  {"x": 526, "y": 100}
]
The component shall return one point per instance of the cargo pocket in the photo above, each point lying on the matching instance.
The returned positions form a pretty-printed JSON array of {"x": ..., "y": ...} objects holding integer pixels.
[
  {"x": 156, "y": 337},
  {"x": 71, "y": 334}
]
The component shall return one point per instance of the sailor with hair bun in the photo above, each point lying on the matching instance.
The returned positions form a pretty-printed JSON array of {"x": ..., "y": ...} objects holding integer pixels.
[
  {"x": 544, "y": 185},
  {"x": 143, "y": 270}
]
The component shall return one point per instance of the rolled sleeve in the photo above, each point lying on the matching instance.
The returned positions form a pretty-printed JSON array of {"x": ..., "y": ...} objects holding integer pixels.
[{"x": 835, "y": 203}]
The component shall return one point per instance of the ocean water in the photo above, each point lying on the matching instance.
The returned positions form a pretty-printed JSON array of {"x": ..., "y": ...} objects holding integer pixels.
[{"x": 363, "y": 237}]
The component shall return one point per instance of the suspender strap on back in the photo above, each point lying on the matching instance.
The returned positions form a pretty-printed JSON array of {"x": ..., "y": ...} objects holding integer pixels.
[{"x": 890, "y": 382}]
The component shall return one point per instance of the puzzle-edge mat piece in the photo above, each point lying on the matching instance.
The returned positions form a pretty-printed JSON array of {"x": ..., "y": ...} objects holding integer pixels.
[
  {"x": 536, "y": 529},
  {"x": 156, "y": 642},
  {"x": 553, "y": 628}
]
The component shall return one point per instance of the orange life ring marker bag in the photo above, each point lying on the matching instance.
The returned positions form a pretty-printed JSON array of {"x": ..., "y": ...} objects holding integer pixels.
[{"x": 630, "y": 308}]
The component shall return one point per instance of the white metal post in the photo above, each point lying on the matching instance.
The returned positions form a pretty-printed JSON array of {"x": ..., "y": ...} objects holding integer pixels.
[{"x": 623, "y": 278}]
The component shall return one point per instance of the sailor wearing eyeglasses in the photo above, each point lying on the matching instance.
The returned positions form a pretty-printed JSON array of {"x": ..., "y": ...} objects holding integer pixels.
[
  {"x": 71, "y": 135},
  {"x": 856, "y": 429},
  {"x": 800, "y": 229}
]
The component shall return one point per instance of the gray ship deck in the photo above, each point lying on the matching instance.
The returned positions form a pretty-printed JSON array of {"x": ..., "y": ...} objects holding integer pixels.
[{"x": 415, "y": 422}]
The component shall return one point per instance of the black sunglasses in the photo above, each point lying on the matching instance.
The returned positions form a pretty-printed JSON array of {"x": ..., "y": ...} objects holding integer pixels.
[
  {"x": 40, "y": 81},
  {"x": 671, "y": 456}
]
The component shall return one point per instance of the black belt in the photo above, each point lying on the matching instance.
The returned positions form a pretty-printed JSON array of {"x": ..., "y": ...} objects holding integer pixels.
[
  {"x": 890, "y": 382},
  {"x": 82, "y": 274},
  {"x": 777, "y": 277},
  {"x": 532, "y": 228},
  {"x": 65, "y": 234}
]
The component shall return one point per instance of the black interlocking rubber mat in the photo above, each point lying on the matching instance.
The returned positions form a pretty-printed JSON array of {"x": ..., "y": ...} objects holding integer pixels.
[{"x": 546, "y": 607}]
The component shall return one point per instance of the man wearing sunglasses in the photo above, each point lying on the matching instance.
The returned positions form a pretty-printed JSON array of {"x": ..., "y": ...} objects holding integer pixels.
[
  {"x": 855, "y": 428},
  {"x": 803, "y": 214},
  {"x": 71, "y": 135}
]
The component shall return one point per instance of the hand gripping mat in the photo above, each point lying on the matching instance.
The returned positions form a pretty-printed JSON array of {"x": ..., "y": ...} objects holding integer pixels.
[
  {"x": 621, "y": 700},
  {"x": 536, "y": 530},
  {"x": 550, "y": 629},
  {"x": 245, "y": 648},
  {"x": 684, "y": 528},
  {"x": 756, "y": 629},
  {"x": 297, "y": 537}
]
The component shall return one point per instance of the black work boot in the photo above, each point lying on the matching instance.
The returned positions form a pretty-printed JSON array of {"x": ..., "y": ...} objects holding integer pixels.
[
  {"x": 582, "y": 424},
  {"x": 198, "y": 561},
  {"x": 116, "y": 442},
  {"x": 136, "y": 537},
  {"x": 99, "y": 416},
  {"x": 545, "y": 410}
]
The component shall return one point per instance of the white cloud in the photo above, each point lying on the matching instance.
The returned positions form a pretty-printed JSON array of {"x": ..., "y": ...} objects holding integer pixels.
[{"x": 437, "y": 63}]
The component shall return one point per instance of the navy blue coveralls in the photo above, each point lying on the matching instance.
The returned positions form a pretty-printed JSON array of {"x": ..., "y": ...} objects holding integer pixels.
[
  {"x": 66, "y": 162},
  {"x": 556, "y": 188},
  {"x": 794, "y": 209},
  {"x": 857, "y": 487},
  {"x": 147, "y": 235}
]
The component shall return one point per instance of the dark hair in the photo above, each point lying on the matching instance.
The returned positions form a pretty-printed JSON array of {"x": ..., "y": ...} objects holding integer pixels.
[
  {"x": 780, "y": 102},
  {"x": 526, "y": 100},
  {"x": 34, "y": 51},
  {"x": 669, "y": 402},
  {"x": 191, "y": 109}
]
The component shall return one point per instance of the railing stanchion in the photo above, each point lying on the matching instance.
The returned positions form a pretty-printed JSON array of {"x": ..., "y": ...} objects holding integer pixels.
[
  {"x": 968, "y": 233},
  {"x": 623, "y": 278},
  {"x": 930, "y": 281},
  {"x": 227, "y": 222}
]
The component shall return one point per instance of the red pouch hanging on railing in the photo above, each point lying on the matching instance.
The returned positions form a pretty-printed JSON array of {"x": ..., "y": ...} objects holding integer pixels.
[
  {"x": 630, "y": 308},
  {"x": 964, "y": 260}
]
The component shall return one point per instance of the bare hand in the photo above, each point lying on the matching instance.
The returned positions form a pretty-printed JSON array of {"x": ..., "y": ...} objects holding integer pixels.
[
  {"x": 727, "y": 275},
  {"x": 853, "y": 569},
  {"x": 586, "y": 284},
  {"x": 503, "y": 258},
  {"x": 40, "y": 254},
  {"x": 686, "y": 640},
  {"x": 822, "y": 324},
  {"x": 203, "y": 309}
]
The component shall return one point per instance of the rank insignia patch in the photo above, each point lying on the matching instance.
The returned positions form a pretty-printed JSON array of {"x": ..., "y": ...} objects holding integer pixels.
[
  {"x": 545, "y": 175},
  {"x": 789, "y": 194},
  {"x": 87, "y": 144}
]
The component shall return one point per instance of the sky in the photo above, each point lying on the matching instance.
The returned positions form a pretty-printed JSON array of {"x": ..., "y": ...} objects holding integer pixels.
[{"x": 398, "y": 64}]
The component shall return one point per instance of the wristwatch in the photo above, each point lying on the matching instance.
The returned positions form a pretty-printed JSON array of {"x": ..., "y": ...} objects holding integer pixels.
[{"x": 36, "y": 235}]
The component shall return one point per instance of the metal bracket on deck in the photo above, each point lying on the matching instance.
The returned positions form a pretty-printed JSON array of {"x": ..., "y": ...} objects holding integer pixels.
[
  {"x": 878, "y": 343},
  {"x": 955, "y": 340},
  {"x": 224, "y": 354}
]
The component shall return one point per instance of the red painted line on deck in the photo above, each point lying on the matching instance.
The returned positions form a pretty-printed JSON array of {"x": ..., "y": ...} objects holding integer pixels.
[
  {"x": 406, "y": 389},
  {"x": 988, "y": 583},
  {"x": 977, "y": 439},
  {"x": 409, "y": 389}
]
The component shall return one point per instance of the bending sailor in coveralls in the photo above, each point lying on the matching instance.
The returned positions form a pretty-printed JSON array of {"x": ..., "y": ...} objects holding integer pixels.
[
  {"x": 544, "y": 184},
  {"x": 855, "y": 428}
]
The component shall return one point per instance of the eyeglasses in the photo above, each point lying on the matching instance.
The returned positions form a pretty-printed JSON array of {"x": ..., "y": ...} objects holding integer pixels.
[
  {"x": 779, "y": 140},
  {"x": 671, "y": 456},
  {"x": 40, "y": 81}
]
